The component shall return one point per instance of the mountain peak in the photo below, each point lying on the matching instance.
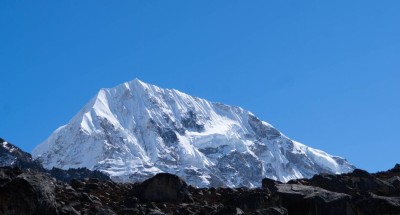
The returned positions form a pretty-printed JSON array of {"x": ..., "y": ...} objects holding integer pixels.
[
  {"x": 138, "y": 83},
  {"x": 135, "y": 130}
]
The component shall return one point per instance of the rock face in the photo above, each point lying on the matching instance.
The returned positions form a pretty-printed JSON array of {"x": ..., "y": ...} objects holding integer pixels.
[
  {"x": 30, "y": 192},
  {"x": 136, "y": 130}
]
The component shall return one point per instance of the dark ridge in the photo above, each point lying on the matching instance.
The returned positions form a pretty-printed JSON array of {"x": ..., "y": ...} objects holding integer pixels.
[
  {"x": 80, "y": 173},
  {"x": 33, "y": 192},
  {"x": 28, "y": 189}
]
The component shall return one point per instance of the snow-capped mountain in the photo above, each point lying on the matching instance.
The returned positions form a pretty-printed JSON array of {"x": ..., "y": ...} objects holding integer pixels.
[{"x": 135, "y": 130}]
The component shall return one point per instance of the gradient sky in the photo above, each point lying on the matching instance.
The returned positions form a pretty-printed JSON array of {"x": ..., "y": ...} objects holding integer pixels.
[{"x": 325, "y": 73}]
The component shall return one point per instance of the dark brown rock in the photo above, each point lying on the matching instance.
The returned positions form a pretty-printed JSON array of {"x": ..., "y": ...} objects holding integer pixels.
[
  {"x": 273, "y": 211},
  {"x": 163, "y": 187},
  {"x": 374, "y": 204},
  {"x": 359, "y": 192},
  {"x": 270, "y": 184}
]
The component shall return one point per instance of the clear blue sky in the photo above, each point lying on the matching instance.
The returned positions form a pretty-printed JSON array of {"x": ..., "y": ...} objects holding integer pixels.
[{"x": 325, "y": 73}]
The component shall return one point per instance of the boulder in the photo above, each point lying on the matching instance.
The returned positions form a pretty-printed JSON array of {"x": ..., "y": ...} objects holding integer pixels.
[
  {"x": 163, "y": 187},
  {"x": 301, "y": 199},
  {"x": 28, "y": 193},
  {"x": 7, "y": 174},
  {"x": 270, "y": 184}
]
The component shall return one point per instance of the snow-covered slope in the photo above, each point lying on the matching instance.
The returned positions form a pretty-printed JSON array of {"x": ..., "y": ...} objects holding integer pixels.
[{"x": 135, "y": 130}]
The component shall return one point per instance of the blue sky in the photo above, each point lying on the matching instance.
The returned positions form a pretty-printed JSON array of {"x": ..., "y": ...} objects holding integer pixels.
[{"x": 325, "y": 73}]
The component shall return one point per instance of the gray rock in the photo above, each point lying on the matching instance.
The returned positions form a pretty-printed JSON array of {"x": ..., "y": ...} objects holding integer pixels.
[
  {"x": 300, "y": 199},
  {"x": 262, "y": 130},
  {"x": 28, "y": 193}
]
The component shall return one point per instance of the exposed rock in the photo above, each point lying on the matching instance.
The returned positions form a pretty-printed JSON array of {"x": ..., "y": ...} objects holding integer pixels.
[
  {"x": 352, "y": 183},
  {"x": 261, "y": 129},
  {"x": 68, "y": 209},
  {"x": 32, "y": 192},
  {"x": 80, "y": 173},
  {"x": 252, "y": 200},
  {"x": 270, "y": 184},
  {"x": 274, "y": 211},
  {"x": 374, "y": 204},
  {"x": 7, "y": 174},
  {"x": 190, "y": 122},
  {"x": 11, "y": 155},
  {"x": 300, "y": 199},
  {"x": 28, "y": 193},
  {"x": 163, "y": 187}
]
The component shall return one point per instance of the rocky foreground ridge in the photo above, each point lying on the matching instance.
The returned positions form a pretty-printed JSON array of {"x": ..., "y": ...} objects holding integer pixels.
[{"x": 33, "y": 192}]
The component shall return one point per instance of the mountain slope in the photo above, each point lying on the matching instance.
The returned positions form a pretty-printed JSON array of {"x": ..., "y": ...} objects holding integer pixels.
[
  {"x": 11, "y": 155},
  {"x": 135, "y": 130}
]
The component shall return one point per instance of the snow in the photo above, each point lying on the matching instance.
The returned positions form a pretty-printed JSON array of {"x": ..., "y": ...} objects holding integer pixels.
[
  {"x": 135, "y": 130},
  {"x": 6, "y": 146}
]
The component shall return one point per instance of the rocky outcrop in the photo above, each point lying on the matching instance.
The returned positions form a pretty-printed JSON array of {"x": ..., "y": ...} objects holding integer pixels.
[{"x": 356, "y": 193}]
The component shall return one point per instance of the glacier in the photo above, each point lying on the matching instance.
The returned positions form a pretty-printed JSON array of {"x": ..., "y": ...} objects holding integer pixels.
[{"x": 136, "y": 130}]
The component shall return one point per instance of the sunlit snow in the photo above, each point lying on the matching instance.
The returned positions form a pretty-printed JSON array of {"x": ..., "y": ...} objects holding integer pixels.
[{"x": 135, "y": 130}]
